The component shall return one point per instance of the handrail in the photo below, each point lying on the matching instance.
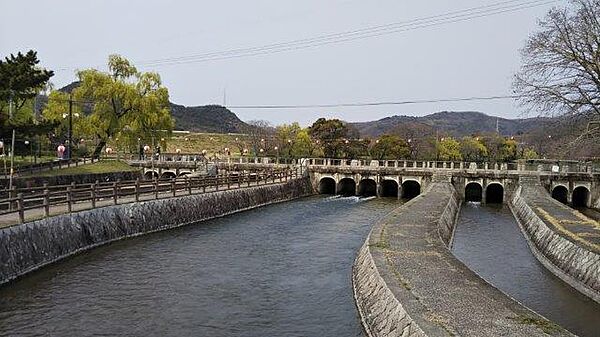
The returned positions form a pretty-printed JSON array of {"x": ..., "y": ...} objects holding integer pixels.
[
  {"x": 50, "y": 165},
  {"x": 25, "y": 199}
]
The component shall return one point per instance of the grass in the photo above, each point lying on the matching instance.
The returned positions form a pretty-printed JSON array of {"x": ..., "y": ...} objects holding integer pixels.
[
  {"x": 108, "y": 166},
  {"x": 24, "y": 161},
  {"x": 546, "y": 326},
  {"x": 211, "y": 142}
]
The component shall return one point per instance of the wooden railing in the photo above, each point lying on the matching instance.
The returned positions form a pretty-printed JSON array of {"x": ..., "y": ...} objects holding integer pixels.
[
  {"x": 26, "y": 199},
  {"x": 48, "y": 166}
]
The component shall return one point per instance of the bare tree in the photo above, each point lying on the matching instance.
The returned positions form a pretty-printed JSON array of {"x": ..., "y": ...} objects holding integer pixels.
[{"x": 561, "y": 63}]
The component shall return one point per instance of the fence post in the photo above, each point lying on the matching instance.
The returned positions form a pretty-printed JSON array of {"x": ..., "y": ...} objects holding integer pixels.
[
  {"x": 239, "y": 181},
  {"x": 228, "y": 181},
  {"x": 69, "y": 199},
  {"x": 93, "y": 194},
  {"x": 217, "y": 183},
  {"x": 137, "y": 189},
  {"x": 12, "y": 194},
  {"x": 20, "y": 207},
  {"x": 173, "y": 186},
  {"x": 155, "y": 185},
  {"x": 116, "y": 192},
  {"x": 46, "y": 200},
  {"x": 188, "y": 184}
]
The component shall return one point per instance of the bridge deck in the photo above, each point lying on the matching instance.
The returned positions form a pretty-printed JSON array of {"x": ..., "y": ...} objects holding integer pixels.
[{"x": 441, "y": 294}]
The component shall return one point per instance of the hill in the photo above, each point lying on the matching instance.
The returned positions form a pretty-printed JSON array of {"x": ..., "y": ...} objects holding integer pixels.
[
  {"x": 207, "y": 118},
  {"x": 457, "y": 124}
]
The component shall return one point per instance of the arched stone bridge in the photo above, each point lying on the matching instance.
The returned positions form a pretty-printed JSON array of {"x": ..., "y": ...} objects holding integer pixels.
[
  {"x": 570, "y": 182},
  {"x": 488, "y": 184}
]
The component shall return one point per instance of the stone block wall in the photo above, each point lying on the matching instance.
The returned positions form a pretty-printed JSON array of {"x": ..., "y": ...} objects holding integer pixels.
[
  {"x": 575, "y": 265},
  {"x": 29, "y": 246}
]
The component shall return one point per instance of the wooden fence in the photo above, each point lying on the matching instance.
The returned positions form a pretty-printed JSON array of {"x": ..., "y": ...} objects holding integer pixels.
[
  {"x": 48, "y": 166},
  {"x": 25, "y": 199}
]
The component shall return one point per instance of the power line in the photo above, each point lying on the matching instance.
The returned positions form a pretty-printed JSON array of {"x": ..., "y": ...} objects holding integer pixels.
[
  {"x": 364, "y": 33},
  {"x": 442, "y": 19},
  {"x": 334, "y": 105},
  {"x": 407, "y": 102}
]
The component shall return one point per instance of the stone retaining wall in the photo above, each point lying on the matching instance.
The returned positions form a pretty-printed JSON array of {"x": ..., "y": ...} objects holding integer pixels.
[
  {"x": 407, "y": 282},
  {"x": 575, "y": 265},
  {"x": 29, "y": 246}
]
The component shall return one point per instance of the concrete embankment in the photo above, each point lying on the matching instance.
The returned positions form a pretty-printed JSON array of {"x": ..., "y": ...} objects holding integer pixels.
[
  {"x": 27, "y": 247},
  {"x": 562, "y": 239},
  {"x": 407, "y": 282}
]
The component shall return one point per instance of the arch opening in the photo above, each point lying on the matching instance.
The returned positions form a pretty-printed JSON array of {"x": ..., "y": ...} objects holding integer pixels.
[
  {"x": 327, "y": 186},
  {"x": 561, "y": 194},
  {"x": 494, "y": 194},
  {"x": 367, "y": 188},
  {"x": 389, "y": 189},
  {"x": 473, "y": 192},
  {"x": 150, "y": 174},
  {"x": 185, "y": 173},
  {"x": 168, "y": 175},
  {"x": 346, "y": 187},
  {"x": 410, "y": 189},
  {"x": 580, "y": 197}
]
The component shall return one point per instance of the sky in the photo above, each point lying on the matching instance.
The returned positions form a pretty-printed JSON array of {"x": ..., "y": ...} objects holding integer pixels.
[{"x": 472, "y": 58}]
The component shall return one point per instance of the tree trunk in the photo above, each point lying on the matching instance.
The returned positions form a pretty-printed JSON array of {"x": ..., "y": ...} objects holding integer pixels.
[{"x": 98, "y": 149}]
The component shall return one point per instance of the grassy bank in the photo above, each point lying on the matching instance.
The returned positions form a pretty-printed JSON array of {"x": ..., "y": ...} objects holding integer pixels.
[{"x": 108, "y": 166}]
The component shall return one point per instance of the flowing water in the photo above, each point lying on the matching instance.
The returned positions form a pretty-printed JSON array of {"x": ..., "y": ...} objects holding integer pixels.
[
  {"x": 488, "y": 240},
  {"x": 280, "y": 270}
]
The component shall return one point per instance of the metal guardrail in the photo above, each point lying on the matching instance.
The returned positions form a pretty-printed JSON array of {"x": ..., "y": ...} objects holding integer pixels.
[{"x": 25, "y": 199}]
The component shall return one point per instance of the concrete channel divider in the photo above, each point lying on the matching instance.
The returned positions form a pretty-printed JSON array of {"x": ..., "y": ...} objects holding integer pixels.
[
  {"x": 571, "y": 262},
  {"x": 407, "y": 282},
  {"x": 30, "y": 246}
]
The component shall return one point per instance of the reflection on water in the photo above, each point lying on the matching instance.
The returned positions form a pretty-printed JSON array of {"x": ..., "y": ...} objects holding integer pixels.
[
  {"x": 488, "y": 240},
  {"x": 281, "y": 270}
]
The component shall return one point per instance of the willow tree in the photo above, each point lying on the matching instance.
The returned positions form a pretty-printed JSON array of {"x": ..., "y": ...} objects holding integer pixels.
[
  {"x": 561, "y": 62},
  {"x": 121, "y": 103}
]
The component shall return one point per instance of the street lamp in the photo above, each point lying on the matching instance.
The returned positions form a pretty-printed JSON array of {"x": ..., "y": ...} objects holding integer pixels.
[
  {"x": 30, "y": 151},
  {"x": 69, "y": 147}
]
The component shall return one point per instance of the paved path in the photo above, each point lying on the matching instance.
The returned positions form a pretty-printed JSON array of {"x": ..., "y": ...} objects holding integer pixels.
[
  {"x": 442, "y": 295},
  {"x": 569, "y": 223}
]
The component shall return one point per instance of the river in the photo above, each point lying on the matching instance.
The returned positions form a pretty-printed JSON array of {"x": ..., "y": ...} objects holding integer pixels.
[
  {"x": 280, "y": 270},
  {"x": 488, "y": 240}
]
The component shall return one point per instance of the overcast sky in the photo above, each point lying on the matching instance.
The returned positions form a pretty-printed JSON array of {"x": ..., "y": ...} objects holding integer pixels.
[{"x": 471, "y": 58}]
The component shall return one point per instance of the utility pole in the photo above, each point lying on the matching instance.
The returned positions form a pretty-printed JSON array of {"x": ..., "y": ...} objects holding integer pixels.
[
  {"x": 497, "y": 125},
  {"x": 69, "y": 147},
  {"x": 225, "y": 97},
  {"x": 12, "y": 146}
]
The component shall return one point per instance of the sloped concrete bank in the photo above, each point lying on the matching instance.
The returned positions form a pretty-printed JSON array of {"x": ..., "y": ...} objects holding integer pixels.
[
  {"x": 573, "y": 262},
  {"x": 30, "y": 246},
  {"x": 407, "y": 282}
]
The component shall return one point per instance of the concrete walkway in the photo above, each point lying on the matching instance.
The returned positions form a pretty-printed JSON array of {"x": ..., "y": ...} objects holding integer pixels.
[
  {"x": 565, "y": 221},
  {"x": 437, "y": 292}
]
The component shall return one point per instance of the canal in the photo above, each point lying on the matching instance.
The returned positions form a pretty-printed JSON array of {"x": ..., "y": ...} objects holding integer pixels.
[
  {"x": 488, "y": 240},
  {"x": 281, "y": 270}
]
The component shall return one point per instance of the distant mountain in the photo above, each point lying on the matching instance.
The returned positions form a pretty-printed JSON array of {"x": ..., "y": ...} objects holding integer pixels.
[
  {"x": 457, "y": 124},
  {"x": 207, "y": 118}
]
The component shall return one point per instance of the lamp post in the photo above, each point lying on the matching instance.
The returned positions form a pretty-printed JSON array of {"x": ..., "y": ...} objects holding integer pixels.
[
  {"x": 69, "y": 142},
  {"x": 30, "y": 152}
]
